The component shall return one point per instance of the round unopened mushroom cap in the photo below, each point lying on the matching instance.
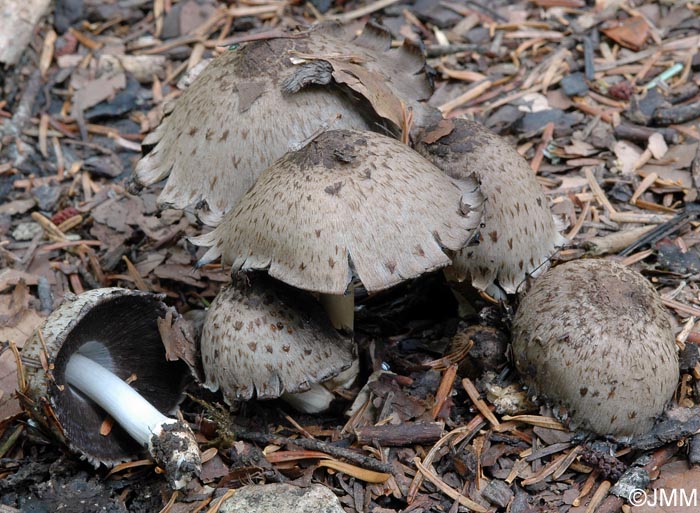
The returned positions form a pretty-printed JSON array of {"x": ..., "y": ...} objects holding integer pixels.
[
  {"x": 593, "y": 337},
  {"x": 118, "y": 328},
  {"x": 265, "y": 340},
  {"x": 234, "y": 120},
  {"x": 348, "y": 201},
  {"x": 518, "y": 233}
]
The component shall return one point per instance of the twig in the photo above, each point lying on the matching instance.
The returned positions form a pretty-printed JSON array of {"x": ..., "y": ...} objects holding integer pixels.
[
  {"x": 483, "y": 408},
  {"x": 598, "y": 496},
  {"x": 448, "y": 490},
  {"x": 616, "y": 241},
  {"x": 473, "y": 92},
  {"x": 317, "y": 445},
  {"x": 459, "y": 434},
  {"x": 444, "y": 390},
  {"x": 367, "y": 9}
]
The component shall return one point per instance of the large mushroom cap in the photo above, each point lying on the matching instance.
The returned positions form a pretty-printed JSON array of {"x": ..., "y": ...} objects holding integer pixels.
[
  {"x": 118, "y": 328},
  {"x": 263, "y": 341},
  {"x": 234, "y": 120},
  {"x": 593, "y": 337},
  {"x": 518, "y": 232},
  {"x": 348, "y": 201}
]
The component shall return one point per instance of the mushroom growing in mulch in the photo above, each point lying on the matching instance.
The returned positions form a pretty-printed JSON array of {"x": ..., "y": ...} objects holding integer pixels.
[
  {"x": 594, "y": 338},
  {"x": 518, "y": 233},
  {"x": 72, "y": 382},
  {"x": 266, "y": 340},
  {"x": 349, "y": 203},
  {"x": 252, "y": 104}
]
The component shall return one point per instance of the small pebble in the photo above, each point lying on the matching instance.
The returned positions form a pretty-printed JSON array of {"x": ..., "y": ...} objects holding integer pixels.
[
  {"x": 282, "y": 498},
  {"x": 574, "y": 84}
]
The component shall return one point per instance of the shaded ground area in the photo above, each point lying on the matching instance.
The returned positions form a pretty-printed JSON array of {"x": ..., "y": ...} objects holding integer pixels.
[{"x": 602, "y": 99}]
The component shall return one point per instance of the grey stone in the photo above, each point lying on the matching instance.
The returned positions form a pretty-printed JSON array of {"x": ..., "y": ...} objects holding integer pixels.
[
  {"x": 574, "y": 84},
  {"x": 282, "y": 498},
  {"x": 46, "y": 196}
]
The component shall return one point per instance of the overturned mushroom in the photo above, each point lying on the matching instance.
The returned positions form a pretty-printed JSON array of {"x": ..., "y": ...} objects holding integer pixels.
[
  {"x": 267, "y": 340},
  {"x": 594, "y": 338},
  {"x": 73, "y": 372},
  {"x": 518, "y": 233},
  {"x": 348, "y": 203},
  {"x": 236, "y": 118}
]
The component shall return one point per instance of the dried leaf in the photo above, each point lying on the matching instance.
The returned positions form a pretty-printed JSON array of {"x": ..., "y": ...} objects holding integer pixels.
[
  {"x": 9, "y": 405},
  {"x": 17, "y": 323},
  {"x": 631, "y": 32},
  {"x": 10, "y": 277},
  {"x": 676, "y": 480},
  {"x": 368, "y": 476},
  {"x": 443, "y": 128},
  {"x": 178, "y": 338},
  {"x": 370, "y": 85},
  {"x": 213, "y": 469},
  {"x": 98, "y": 90}
]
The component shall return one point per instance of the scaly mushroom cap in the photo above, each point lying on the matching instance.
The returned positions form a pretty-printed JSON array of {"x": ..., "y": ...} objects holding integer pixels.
[
  {"x": 518, "y": 232},
  {"x": 120, "y": 328},
  {"x": 348, "y": 201},
  {"x": 234, "y": 120},
  {"x": 265, "y": 340},
  {"x": 593, "y": 337}
]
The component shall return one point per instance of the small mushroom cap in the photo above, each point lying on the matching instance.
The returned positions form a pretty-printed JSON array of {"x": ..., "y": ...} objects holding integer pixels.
[
  {"x": 234, "y": 120},
  {"x": 266, "y": 339},
  {"x": 348, "y": 201},
  {"x": 593, "y": 337},
  {"x": 120, "y": 328},
  {"x": 518, "y": 233}
]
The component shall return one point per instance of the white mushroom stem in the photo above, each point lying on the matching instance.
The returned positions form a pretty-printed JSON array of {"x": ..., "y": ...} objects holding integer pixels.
[
  {"x": 340, "y": 309},
  {"x": 170, "y": 442},
  {"x": 318, "y": 398}
]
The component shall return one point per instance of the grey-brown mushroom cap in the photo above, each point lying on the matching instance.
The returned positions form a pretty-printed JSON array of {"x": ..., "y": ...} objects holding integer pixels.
[
  {"x": 234, "y": 120},
  {"x": 125, "y": 322},
  {"x": 594, "y": 337},
  {"x": 347, "y": 202},
  {"x": 265, "y": 340},
  {"x": 518, "y": 234}
]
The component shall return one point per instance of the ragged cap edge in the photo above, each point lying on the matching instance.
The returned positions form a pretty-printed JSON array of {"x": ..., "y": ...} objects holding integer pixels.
[{"x": 450, "y": 228}]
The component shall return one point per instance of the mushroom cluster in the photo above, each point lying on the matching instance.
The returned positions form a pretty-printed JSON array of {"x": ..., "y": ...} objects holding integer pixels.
[
  {"x": 273, "y": 142},
  {"x": 262, "y": 99},
  {"x": 594, "y": 338}
]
